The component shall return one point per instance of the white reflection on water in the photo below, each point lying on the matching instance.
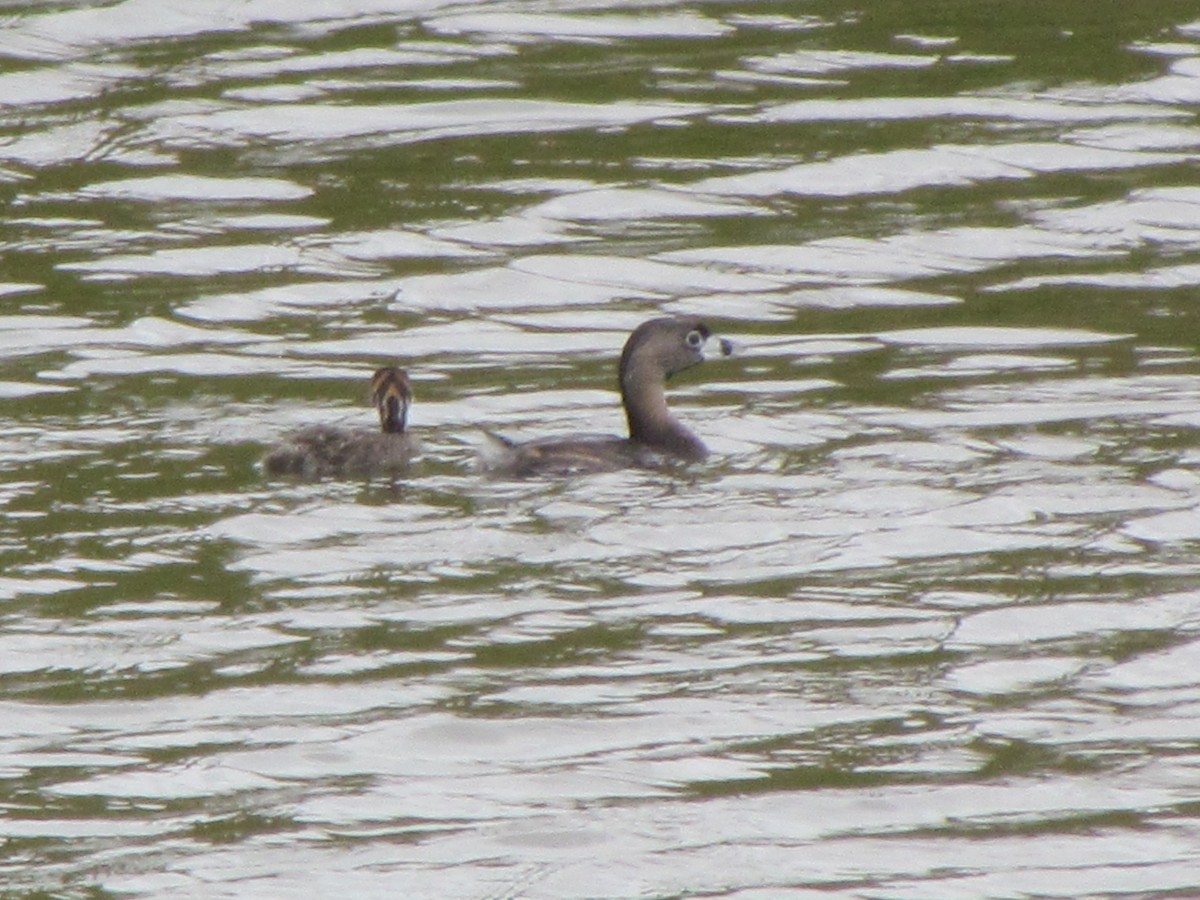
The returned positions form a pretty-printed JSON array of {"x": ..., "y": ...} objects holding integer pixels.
[
  {"x": 403, "y": 123},
  {"x": 575, "y": 27},
  {"x": 193, "y": 187},
  {"x": 59, "y": 84},
  {"x": 62, "y": 33},
  {"x": 821, "y": 62},
  {"x": 1049, "y": 109},
  {"x": 939, "y": 166},
  {"x": 29, "y": 335}
]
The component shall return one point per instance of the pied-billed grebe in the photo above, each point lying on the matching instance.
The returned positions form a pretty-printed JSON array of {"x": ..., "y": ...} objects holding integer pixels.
[
  {"x": 323, "y": 450},
  {"x": 655, "y": 351}
]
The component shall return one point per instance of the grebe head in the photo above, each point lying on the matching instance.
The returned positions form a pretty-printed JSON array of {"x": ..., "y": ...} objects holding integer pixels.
[
  {"x": 391, "y": 395},
  {"x": 667, "y": 346}
]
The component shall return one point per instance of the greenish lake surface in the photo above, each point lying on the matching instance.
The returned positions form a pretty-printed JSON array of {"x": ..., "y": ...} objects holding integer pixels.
[{"x": 925, "y": 626}]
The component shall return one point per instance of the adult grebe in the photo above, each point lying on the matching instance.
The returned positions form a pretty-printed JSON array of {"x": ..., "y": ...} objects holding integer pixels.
[{"x": 655, "y": 351}]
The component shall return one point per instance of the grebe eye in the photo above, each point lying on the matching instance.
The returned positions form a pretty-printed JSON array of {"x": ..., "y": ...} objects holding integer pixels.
[{"x": 694, "y": 339}]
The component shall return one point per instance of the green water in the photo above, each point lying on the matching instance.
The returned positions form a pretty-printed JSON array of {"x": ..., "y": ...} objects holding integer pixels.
[{"x": 924, "y": 626}]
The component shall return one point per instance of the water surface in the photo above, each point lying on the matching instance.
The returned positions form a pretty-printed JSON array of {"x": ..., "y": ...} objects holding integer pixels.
[{"x": 924, "y": 626}]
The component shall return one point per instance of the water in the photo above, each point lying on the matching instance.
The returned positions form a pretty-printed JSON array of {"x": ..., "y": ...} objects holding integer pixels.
[{"x": 926, "y": 625}]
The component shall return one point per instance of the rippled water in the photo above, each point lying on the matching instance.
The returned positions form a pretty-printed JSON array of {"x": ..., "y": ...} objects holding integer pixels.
[{"x": 926, "y": 625}]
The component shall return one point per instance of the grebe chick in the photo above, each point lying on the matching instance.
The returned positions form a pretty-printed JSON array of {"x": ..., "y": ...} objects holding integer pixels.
[
  {"x": 655, "y": 351},
  {"x": 319, "y": 451}
]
